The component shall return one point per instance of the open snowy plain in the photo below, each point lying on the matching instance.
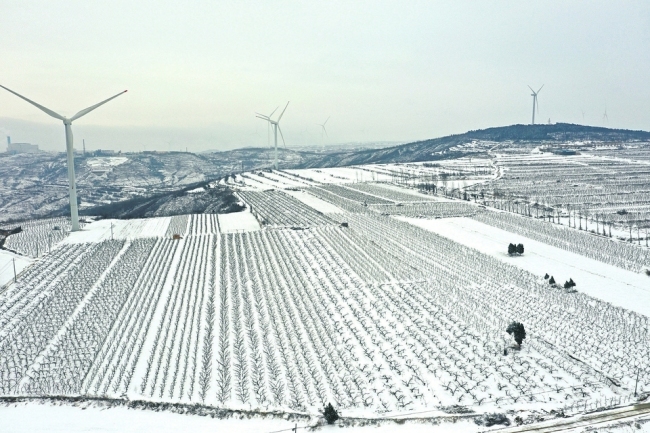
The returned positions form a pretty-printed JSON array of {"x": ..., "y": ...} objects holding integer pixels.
[{"x": 356, "y": 286}]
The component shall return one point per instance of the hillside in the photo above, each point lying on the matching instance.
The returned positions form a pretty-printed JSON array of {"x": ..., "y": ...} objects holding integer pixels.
[
  {"x": 154, "y": 183},
  {"x": 456, "y": 145}
]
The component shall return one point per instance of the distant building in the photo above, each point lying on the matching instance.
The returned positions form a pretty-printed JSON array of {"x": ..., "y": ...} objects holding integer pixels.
[
  {"x": 21, "y": 148},
  {"x": 100, "y": 152}
]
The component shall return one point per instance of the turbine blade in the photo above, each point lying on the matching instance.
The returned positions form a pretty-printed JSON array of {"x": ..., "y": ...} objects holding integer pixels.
[
  {"x": 531, "y": 89},
  {"x": 261, "y": 116},
  {"x": 328, "y": 118},
  {"x": 89, "y": 109},
  {"x": 540, "y": 88},
  {"x": 282, "y": 114},
  {"x": 279, "y": 129},
  {"x": 276, "y": 109},
  {"x": 39, "y": 106},
  {"x": 325, "y": 131}
]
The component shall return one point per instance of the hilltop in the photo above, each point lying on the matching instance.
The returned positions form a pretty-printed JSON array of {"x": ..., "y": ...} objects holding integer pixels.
[{"x": 448, "y": 147}]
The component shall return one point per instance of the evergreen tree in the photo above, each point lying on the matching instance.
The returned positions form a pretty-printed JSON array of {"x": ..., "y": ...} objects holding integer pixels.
[
  {"x": 330, "y": 414},
  {"x": 520, "y": 249},
  {"x": 571, "y": 282},
  {"x": 551, "y": 281},
  {"x": 546, "y": 276},
  {"x": 512, "y": 249},
  {"x": 517, "y": 330}
]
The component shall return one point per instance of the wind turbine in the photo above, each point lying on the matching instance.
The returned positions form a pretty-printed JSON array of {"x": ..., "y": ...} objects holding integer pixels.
[
  {"x": 276, "y": 127},
  {"x": 535, "y": 103},
  {"x": 67, "y": 122},
  {"x": 323, "y": 131},
  {"x": 605, "y": 118}
]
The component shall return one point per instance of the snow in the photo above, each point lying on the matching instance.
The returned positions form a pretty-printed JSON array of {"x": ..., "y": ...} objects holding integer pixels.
[
  {"x": 106, "y": 162},
  {"x": 609, "y": 283},
  {"x": 36, "y": 417},
  {"x": 7, "y": 265},
  {"x": 122, "y": 229},
  {"x": 341, "y": 174},
  {"x": 314, "y": 202},
  {"x": 238, "y": 222}
]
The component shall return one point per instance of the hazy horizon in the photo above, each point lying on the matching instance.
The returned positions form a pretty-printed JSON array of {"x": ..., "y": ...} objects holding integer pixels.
[{"x": 382, "y": 71}]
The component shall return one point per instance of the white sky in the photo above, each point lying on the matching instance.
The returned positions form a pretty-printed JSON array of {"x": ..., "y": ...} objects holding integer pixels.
[{"x": 384, "y": 71}]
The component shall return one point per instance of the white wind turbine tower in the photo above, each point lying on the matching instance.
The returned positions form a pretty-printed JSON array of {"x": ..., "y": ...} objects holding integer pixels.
[
  {"x": 535, "y": 103},
  {"x": 67, "y": 122},
  {"x": 323, "y": 131},
  {"x": 276, "y": 127}
]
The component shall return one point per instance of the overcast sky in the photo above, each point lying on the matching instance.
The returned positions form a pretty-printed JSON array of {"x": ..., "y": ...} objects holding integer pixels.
[{"x": 384, "y": 71}]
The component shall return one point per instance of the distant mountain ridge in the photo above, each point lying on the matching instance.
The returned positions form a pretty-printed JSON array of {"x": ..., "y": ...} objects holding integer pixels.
[{"x": 438, "y": 148}]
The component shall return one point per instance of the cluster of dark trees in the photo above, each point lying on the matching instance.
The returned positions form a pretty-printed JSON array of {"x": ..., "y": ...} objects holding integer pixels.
[
  {"x": 515, "y": 249},
  {"x": 567, "y": 284}
]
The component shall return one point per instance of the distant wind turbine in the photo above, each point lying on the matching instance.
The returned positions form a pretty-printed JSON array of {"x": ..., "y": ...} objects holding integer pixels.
[
  {"x": 605, "y": 118},
  {"x": 323, "y": 131},
  {"x": 535, "y": 103},
  {"x": 276, "y": 127},
  {"x": 67, "y": 122}
]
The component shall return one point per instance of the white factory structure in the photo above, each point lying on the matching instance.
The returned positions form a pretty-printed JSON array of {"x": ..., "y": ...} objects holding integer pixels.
[{"x": 21, "y": 147}]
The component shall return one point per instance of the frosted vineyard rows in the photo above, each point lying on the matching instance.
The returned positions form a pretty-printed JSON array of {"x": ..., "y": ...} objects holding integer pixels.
[
  {"x": 623, "y": 255},
  {"x": 376, "y": 317},
  {"x": 38, "y": 236},
  {"x": 597, "y": 183},
  {"x": 275, "y": 208}
]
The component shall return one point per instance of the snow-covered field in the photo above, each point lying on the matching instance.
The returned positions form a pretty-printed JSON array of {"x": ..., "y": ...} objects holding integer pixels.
[
  {"x": 238, "y": 222},
  {"x": 36, "y": 417},
  {"x": 620, "y": 287},
  {"x": 327, "y": 290},
  {"x": 7, "y": 261}
]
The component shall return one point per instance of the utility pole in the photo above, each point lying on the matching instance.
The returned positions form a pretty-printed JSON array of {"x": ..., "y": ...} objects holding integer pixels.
[
  {"x": 637, "y": 381},
  {"x": 15, "y": 278},
  {"x": 111, "y": 230},
  {"x": 295, "y": 429}
]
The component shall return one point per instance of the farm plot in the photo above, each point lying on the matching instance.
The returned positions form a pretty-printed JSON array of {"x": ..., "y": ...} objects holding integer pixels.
[
  {"x": 38, "y": 305},
  {"x": 38, "y": 236},
  {"x": 392, "y": 195},
  {"x": 177, "y": 364},
  {"x": 355, "y": 195},
  {"x": 115, "y": 362},
  {"x": 603, "y": 249},
  {"x": 276, "y": 208},
  {"x": 340, "y": 202},
  {"x": 609, "y": 283},
  {"x": 391, "y": 192},
  {"x": 437, "y": 209},
  {"x": 177, "y": 225},
  {"x": 376, "y": 317},
  {"x": 203, "y": 224},
  {"x": 314, "y": 202},
  {"x": 300, "y": 325},
  {"x": 611, "y": 191},
  {"x": 109, "y": 229}
]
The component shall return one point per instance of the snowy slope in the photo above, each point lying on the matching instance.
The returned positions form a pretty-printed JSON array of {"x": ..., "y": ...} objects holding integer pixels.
[{"x": 617, "y": 286}]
